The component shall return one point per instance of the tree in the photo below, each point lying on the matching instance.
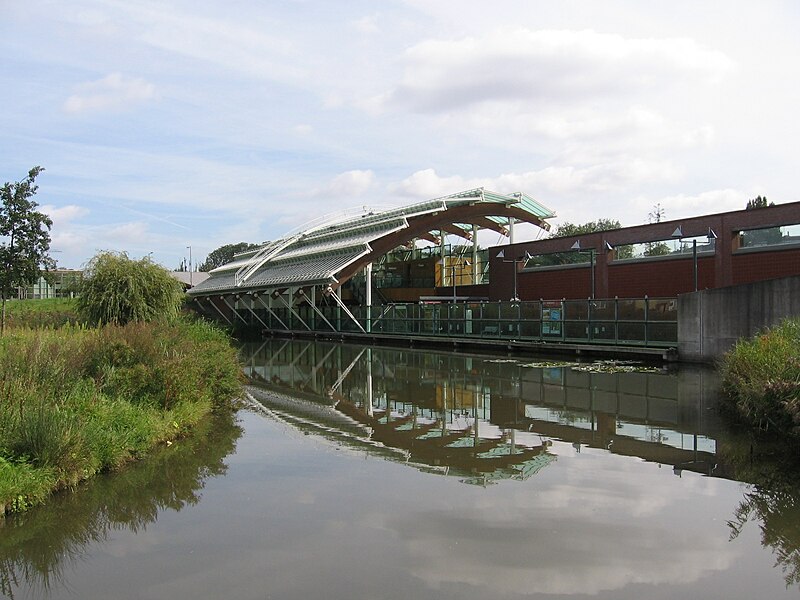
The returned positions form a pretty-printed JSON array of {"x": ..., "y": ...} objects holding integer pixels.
[
  {"x": 571, "y": 229},
  {"x": 761, "y": 237},
  {"x": 758, "y": 202},
  {"x": 224, "y": 254},
  {"x": 119, "y": 290},
  {"x": 24, "y": 238}
]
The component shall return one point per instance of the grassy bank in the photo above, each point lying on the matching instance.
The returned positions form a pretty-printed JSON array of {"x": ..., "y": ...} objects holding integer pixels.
[
  {"x": 53, "y": 312},
  {"x": 75, "y": 401},
  {"x": 761, "y": 381}
]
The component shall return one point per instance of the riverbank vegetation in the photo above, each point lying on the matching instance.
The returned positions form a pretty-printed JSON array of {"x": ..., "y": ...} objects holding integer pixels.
[
  {"x": 77, "y": 401},
  {"x": 87, "y": 386},
  {"x": 761, "y": 381}
]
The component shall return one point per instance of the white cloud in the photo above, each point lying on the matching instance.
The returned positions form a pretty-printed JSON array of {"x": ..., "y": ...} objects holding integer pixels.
[
  {"x": 128, "y": 233},
  {"x": 64, "y": 214},
  {"x": 113, "y": 92},
  {"x": 368, "y": 24},
  {"x": 611, "y": 176},
  {"x": 348, "y": 184},
  {"x": 546, "y": 67}
]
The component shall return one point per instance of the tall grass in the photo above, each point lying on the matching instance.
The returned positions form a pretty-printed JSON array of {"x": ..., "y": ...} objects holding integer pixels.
[
  {"x": 75, "y": 401},
  {"x": 761, "y": 380},
  {"x": 53, "y": 312}
]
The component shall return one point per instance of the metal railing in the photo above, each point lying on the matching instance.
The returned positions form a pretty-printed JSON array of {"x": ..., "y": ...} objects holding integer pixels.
[{"x": 649, "y": 322}]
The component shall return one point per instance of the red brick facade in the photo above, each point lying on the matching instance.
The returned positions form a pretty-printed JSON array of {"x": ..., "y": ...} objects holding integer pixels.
[{"x": 659, "y": 276}]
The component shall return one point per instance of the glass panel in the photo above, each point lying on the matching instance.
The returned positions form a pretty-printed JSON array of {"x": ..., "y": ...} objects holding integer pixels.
[
  {"x": 509, "y": 310},
  {"x": 603, "y": 331},
  {"x": 531, "y": 310},
  {"x": 529, "y": 329},
  {"x": 630, "y": 310},
  {"x": 576, "y": 330},
  {"x": 662, "y": 333},
  {"x": 603, "y": 310},
  {"x": 576, "y": 310},
  {"x": 662, "y": 309},
  {"x": 631, "y": 332}
]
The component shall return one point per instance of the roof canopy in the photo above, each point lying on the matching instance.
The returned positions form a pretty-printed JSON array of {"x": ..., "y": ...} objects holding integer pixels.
[{"x": 335, "y": 248}]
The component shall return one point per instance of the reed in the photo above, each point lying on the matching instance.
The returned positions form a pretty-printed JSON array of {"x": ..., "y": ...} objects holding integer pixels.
[
  {"x": 761, "y": 380},
  {"x": 75, "y": 401}
]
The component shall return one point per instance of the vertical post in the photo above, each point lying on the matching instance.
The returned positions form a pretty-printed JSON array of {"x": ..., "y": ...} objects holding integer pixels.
[
  {"x": 190, "y": 266},
  {"x": 694, "y": 262},
  {"x": 474, "y": 254},
  {"x": 591, "y": 266},
  {"x": 511, "y": 221},
  {"x": 516, "y": 297},
  {"x": 368, "y": 277}
]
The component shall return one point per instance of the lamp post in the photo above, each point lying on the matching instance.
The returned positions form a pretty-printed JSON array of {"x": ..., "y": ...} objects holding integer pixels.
[
  {"x": 462, "y": 264},
  {"x": 524, "y": 257},
  {"x": 678, "y": 235},
  {"x": 190, "y": 266},
  {"x": 590, "y": 251}
]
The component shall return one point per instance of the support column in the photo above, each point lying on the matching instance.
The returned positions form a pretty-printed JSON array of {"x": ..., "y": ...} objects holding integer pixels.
[
  {"x": 474, "y": 254},
  {"x": 368, "y": 277},
  {"x": 511, "y": 221}
]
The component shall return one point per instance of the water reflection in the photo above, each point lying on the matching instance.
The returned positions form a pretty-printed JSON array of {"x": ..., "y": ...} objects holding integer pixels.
[
  {"x": 40, "y": 547},
  {"x": 483, "y": 419}
]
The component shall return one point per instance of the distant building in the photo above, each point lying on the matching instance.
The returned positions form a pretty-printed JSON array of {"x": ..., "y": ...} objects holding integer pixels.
[
  {"x": 189, "y": 279},
  {"x": 59, "y": 283}
]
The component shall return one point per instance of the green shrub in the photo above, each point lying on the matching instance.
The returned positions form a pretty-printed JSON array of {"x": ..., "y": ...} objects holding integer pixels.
[
  {"x": 761, "y": 379},
  {"x": 119, "y": 290}
]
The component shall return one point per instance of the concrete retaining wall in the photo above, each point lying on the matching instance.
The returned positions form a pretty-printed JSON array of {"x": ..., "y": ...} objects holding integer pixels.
[{"x": 711, "y": 321}]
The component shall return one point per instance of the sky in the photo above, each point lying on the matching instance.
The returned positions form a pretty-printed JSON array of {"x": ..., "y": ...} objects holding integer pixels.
[{"x": 167, "y": 125}]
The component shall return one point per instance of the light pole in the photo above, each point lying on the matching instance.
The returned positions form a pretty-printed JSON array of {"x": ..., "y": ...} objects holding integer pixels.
[
  {"x": 590, "y": 251},
  {"x": 461, "y": 264},
  {"x": 524, "y": 257},
  {"x": 190, "y": 266}
]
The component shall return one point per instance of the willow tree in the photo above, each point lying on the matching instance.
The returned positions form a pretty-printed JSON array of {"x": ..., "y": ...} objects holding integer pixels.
[
  {"x": 24, "y": 238},
  {"x": 119, "y": 290}
]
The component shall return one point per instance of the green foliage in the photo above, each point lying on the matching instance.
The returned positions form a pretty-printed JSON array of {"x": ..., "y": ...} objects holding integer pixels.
[
  {"x": 758, "y": 202},
  {"x": 24, "y": 238},
  {"x": 761, "y": 380},
  {"x": 574, "y": 257},
  {"x": 657, "y": 249},
  {"x": 119, "y": 290},
  {"x": 570, "y": 229},
  {"x": 75, "y": 401},
  {"x": 52, "y": 312},
  {"x": 224, "y": 254}
]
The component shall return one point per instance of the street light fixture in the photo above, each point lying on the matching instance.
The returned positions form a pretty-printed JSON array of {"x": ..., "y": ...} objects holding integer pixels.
[
  {"x": 462, "y": 264},
  {"x": 577, "y": 247},
  {"x": 525, "y": 257}
]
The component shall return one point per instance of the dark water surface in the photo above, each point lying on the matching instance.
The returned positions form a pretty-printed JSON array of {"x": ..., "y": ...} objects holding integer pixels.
[{"x": 485, "y": 478}]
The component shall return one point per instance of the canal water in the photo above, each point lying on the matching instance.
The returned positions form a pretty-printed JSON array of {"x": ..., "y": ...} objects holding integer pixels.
[{"x": 372, "y": 472}]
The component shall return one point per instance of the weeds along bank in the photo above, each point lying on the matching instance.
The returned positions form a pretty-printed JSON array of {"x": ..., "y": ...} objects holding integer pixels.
[
  {"x": 75, "y": 401},
  {"x": 761, "y": 381}
]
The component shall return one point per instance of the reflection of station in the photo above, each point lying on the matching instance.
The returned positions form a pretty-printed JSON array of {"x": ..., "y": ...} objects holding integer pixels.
[{"x": 492, "y": 419}]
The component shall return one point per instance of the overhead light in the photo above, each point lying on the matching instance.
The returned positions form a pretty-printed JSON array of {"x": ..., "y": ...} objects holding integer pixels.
[
  {"x": 501, "y": 254},
  {"x": 576, "y": 245},
  {"x": 528, "y": 255},
  {"x": 711, "y": 234},
  {"x": 608, "y": 246},
  {"x": 678, "y": 233}
]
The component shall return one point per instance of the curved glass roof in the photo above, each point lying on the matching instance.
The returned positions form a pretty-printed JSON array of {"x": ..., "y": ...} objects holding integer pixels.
[{"x": 332, "y": 249}]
